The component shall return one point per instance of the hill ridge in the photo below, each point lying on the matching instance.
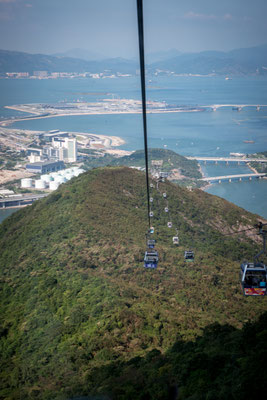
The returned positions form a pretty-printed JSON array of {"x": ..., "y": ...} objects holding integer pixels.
[{"x": 75, "y": 295}]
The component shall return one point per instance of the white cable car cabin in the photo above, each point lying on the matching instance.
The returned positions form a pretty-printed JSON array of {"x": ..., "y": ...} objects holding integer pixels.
[
  {"x": 151, "y": 199},
  {"x": 175, "y": 240},
  {"x": 253, "y": 277},
  {"x": 169, "y": 224},
  {"x": 151, "y": 259},
  {"x": 151, "y": 243},
  {"x": 164, "y": 195},
  {"x": 189, "y": 255},
  {"x": 151, "y": 230},
  {"x": 166, "y": 209},
  {"x": 151, "y": 185},
  {"x": 151, "y": 214}
]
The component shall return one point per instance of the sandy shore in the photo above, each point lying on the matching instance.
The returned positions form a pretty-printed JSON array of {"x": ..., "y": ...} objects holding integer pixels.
[
  {"x": 119, "y": 153},
  {"x": 252, "y": 169},
  {"x": 208, "y": 185}
]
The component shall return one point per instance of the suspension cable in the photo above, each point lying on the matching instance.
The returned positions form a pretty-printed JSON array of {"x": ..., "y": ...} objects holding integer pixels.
[{"x": 143, "y": 90}]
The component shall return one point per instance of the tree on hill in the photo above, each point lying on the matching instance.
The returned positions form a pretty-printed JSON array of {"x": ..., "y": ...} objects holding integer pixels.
[{"x": 80, "y": 315}]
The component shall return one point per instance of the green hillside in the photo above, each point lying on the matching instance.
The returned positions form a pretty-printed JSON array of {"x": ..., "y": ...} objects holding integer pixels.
[
  {"x": 173, "y": 163},
  {"x": 80, "y": 315},
  {"x": 259, "y": 166}
]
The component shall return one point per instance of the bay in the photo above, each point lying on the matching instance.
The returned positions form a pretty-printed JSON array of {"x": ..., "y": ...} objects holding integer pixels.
[{"x": 207, "y": 133}]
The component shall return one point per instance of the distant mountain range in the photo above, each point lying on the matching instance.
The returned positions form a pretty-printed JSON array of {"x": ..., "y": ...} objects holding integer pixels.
[
  {"x": 248, "y": 61},
  {"x": 236, "y": 62},
  {"x": 82, "y": 54},
  {"x": 14, "y": 61}
]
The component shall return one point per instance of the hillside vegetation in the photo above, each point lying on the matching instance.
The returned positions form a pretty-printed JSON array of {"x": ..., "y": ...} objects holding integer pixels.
[
  {"x": 258, "y": 166},
  {"x": 81, "y": 316},
  {"x": 181, "y": 170}
]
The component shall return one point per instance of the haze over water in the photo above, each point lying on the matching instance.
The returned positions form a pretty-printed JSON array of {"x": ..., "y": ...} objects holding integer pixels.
[{"x": 206, "y": 133}]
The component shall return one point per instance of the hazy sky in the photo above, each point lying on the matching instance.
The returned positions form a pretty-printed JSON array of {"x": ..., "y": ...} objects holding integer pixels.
[{"x": 109, "y": 27}]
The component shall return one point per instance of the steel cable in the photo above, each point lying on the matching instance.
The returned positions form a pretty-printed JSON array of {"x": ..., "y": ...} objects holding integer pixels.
[{"x": 143, "y": 91}]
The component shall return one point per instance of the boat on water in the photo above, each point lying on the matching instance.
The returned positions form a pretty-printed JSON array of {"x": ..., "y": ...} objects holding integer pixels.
[
  {"x": 248, "y": 141},
  {"x": 237, "y": 154}
]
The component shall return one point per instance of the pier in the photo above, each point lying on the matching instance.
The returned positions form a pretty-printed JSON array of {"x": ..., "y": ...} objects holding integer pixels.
[
  {"x": 230, "y": 178},
  {"x": 20, "y": 201}
]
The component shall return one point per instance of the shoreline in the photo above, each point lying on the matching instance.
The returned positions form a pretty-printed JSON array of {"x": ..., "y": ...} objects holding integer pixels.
[
  {"x": 208, "y": 185},
  {"x": 115, "y": 112},
  {"x": 73, "y": 114}
]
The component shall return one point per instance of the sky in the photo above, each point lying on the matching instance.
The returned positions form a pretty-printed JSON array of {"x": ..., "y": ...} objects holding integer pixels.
[{"x": 109, "y": 27}]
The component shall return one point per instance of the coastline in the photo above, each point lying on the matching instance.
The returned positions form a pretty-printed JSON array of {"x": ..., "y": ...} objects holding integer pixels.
[
  {"x": 8, "y": 122},
  {"x": 208, "y": 185},
  {"x": 9, "y": 137}
]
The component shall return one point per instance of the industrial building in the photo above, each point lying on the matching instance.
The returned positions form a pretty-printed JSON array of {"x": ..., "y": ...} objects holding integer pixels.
[{"x": 45, "y": 166}]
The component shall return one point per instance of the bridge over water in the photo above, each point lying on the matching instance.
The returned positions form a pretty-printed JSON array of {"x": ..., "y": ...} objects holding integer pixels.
[
  {"x": 236, "y": 107},
  {"x": 228, "y": 159},
  {"x": 20, "y": 201},
  {"x": 229, "y": 178}
]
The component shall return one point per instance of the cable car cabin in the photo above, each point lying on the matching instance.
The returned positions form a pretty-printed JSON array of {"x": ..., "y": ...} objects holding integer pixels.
[
  {"x": 151, "y": 185},
  {"x": 164, "y": 195},
  {"x": 151, "y": 230},
  {"x": 189, "y": 255},
  {"x": 151, "y": 214},
  {"x": 253, "y": 279},
  {"x": 151, "y": 199},
  {"x": 151, "y": 259},
  {"x": 151, "y": 243},
  {"x": 175, "y": 240},
  {"x": 166, "y": 209},
  {"x": 169, "y": 224}
]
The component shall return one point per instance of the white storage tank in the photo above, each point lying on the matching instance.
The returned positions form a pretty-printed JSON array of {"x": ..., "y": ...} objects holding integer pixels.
[
  {"x": 40, "y": 184},
  {"x": 78, "y": 171},
  {"x": 60, "y": 179},
  {"x": 64, "y": 172},
  {"x": 53, "y": 174},
  {"x": 53, "y": 185},
  {"x": 46, "y": 178},
  {"x": 69, "y": 176},
  {"x": 26, "y": 183}
]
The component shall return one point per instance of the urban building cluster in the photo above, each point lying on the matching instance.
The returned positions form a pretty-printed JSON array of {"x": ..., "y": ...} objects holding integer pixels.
[
  {"x": 56, "y": 75},
  {"x": 57, "y": 146}
]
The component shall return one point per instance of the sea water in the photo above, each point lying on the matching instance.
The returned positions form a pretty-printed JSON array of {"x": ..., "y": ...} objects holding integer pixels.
[
  {"x": 205, "y": 133},
  {"x": 6, "y": 213}
]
